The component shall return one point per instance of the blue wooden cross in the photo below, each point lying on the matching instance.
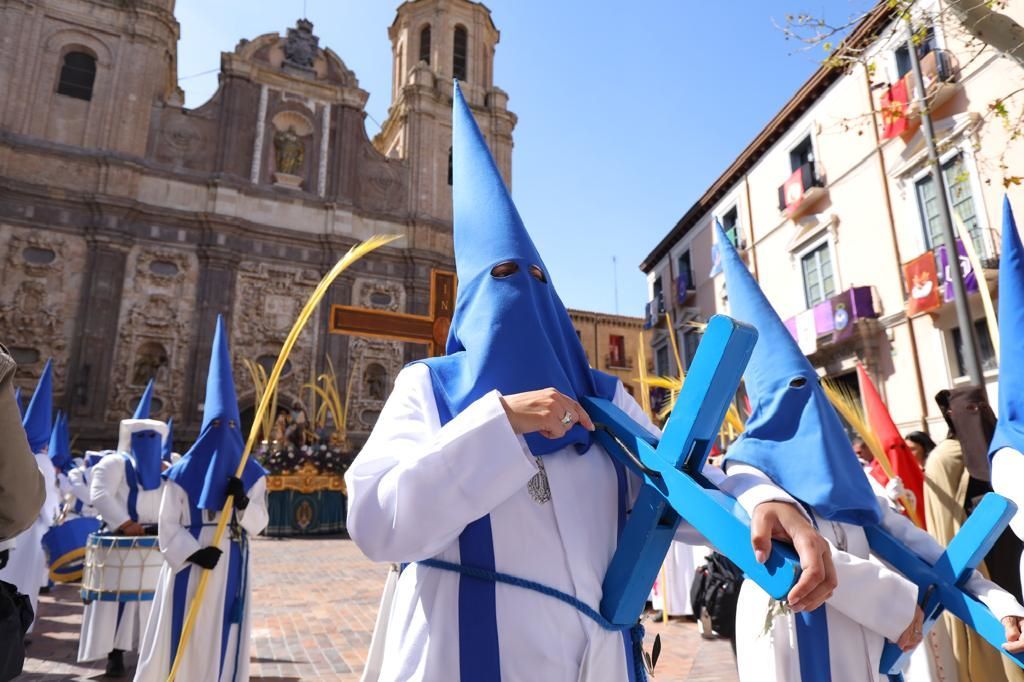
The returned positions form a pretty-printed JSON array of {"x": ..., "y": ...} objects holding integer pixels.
[
  {"x": 939, "y": 585},
  {"x": 674, "y": 487}
]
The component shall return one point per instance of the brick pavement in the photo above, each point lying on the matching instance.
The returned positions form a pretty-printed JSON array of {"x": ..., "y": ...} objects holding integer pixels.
[{"x": 314, "y": 605}]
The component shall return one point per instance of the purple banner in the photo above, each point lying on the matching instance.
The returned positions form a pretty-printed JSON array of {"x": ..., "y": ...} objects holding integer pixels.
[{"x": 970, "y": 281}]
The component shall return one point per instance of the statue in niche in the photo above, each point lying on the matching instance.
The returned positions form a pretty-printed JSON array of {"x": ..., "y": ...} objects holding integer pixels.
[
  {"x": 289, "y": 151},
  {"x": 150, "y": 359},
  {"x": 375, "y": 380}
]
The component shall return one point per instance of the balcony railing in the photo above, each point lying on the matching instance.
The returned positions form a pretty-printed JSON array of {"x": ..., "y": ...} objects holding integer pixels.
[
  {"x": 801, "y": 190},
  {"x": 653, "y": 310},
  {"x": 616, "y": 362}
]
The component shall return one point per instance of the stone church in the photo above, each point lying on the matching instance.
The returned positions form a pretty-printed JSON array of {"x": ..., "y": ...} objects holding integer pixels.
[{"x": 128, "y": 222}]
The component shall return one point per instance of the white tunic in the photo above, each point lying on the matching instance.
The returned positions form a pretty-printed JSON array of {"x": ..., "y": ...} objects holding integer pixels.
[
  {"x": 871, "y": 604},
  {"x": 416, "y": 485},
  {"x": 102, "y": 630},
  {"x": 1008, "y": 481},
  {"x": 26, "y": 564},
  {"x": 202, "y": 655},
  {"x": 79, "y": 480},
  {"x": 671, "y": 593}
]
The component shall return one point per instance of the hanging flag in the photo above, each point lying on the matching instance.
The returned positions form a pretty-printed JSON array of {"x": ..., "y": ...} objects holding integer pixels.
[
  {"x": 793, "y": 189},
  {"x": 970, "y": 281},
  {"x": 922, "y": 284},
  {"x": 894, "y": 109},
  {"x": 806, "y": 334},
  {"x": 902, "y": 460}
]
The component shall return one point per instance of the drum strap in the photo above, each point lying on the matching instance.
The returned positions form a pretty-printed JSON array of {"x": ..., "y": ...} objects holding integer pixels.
[{"x": 133, "y": 488}]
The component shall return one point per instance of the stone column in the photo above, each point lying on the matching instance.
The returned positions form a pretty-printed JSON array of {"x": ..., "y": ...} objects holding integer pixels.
[
  {"x": 218, "y": 272},
  {"x": 92, "y": 346}
]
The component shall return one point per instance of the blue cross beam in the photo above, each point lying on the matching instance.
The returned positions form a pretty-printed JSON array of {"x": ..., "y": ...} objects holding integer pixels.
[
  {"x": 940, "y": 584},
  {"x": 673, "y": 486}
]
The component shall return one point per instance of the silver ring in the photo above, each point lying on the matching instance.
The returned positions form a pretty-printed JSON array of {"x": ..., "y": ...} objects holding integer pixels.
[{"x": 568, "y": 419}]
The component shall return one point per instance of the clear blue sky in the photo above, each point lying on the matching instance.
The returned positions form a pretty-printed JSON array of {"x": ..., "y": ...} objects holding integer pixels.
[{"x": 627, "y": 110}]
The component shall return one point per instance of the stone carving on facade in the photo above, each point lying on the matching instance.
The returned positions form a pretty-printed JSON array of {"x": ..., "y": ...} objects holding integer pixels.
[
  {"x": 38, "y": 300},
  {"x": 268, "y": 299},
  {"x": 379, "y": 294},
  {"x": 380, "y": 181},
  {"x": 300, "y": 45},
  {"x": 374, "y": 363},
  {"x": 154, "y": 331}
]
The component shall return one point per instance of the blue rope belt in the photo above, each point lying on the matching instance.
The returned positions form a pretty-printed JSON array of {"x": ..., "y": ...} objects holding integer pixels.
[{"x": 636, "y": 632}]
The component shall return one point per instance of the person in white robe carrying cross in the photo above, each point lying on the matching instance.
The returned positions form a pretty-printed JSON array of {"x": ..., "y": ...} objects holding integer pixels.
[
  {"x": 795, "y": 437},
  {"x": 483, "y": 461}
]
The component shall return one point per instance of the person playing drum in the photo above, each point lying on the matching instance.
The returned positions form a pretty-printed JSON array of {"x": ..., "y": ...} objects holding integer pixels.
[
  {"x": 125, "y": 489},
  {"x": 197, "y": 488}
]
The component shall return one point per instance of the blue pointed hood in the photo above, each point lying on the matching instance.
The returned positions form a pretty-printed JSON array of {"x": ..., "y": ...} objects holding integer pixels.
[
  {"x": 142, "y": 409},
  {"x": 793, "y": 434},
  {"x": 59, "y": 449},
  {"x": 510, "y": 331},
  {"x": 38, "y": 419},
  {"x": 169, "y": 441},
  {"x": 1010, "y": 427},
  {"x": 17, "y": 400},
  {"x": 204, "y": 470}
]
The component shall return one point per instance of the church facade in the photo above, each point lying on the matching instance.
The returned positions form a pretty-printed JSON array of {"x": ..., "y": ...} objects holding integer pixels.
[{"x": 128, "y": 222}]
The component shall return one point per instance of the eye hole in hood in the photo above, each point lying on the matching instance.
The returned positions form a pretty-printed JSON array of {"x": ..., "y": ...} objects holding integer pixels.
[{"x": 503, "y": 270}]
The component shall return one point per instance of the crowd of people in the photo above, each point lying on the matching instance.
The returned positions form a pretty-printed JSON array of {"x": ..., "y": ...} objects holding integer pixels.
[{"x": 150, "y": 518}]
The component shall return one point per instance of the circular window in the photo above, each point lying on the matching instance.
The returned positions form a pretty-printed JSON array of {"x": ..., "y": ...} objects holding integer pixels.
[
  {"x": 155, "y": 405},
  {"x": 164, "y": 268},
  {"x": 38, "y": 256},
  {"x": 24, "y": 356},
  {"x": 267, "y": 363},
  {"x": 380, "y": 298}
]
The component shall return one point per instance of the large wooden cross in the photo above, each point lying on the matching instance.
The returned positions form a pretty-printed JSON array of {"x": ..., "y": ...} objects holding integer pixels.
[{"x": 431, "y": 330}]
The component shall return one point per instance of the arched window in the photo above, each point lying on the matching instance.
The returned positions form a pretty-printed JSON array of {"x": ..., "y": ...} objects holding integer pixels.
[
  {"x": 425, "y": 44},
  {"x": 459, "y": 49},
  {"x": 77, "y": 75}
]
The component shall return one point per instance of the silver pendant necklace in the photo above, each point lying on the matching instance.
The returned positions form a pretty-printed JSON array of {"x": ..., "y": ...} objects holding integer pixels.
[{"x": 538, "y": 486}]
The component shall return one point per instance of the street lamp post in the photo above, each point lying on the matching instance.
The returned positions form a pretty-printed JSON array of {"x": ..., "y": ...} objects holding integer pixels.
[{"x": 963, "y": 313}]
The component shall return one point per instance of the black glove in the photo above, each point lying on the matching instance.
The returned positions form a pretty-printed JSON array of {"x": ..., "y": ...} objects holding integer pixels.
[
  {"x": 237, "y": 490},
  {"x": 4, "y": 555},
  {"x": 206, "y": 557}
]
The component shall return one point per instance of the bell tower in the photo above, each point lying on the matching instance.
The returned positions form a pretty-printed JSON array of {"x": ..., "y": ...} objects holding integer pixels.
[{"x": 434, "y": 42}]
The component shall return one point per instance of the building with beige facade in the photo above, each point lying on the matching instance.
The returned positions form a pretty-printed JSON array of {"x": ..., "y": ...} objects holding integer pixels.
[
  {"x": 830, "y": 203},
  {"x": 129, "y": 222},
  {"x": 612, "y": 343}
]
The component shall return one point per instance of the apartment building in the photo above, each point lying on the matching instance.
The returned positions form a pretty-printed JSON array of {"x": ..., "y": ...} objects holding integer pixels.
[{"x": 833, "y": 209}]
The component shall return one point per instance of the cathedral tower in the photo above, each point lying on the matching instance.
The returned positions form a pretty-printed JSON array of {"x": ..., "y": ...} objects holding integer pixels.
[
  {"x": 87, "y": 72},
  {"x": 434, "y": 42}
]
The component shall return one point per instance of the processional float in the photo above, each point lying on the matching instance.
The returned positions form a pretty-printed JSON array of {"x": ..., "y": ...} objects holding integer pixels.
[{"x": 675, "y": 490}]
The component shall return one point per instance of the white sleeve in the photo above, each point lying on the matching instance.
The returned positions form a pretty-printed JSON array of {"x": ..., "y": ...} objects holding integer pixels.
[
  {"x": 79, "y": 488},
  {"x": 415, "y": 485},
  {"x": 107, "y": 478},
  {"x": 749, "y": 486},
  {"x": 998, "y": 600},
  {"x": 51, "y": 505},
  {"x": 255, "y": 517},
  {"x": 176, "y": 542},
  {"x": 1008, "y": 481}
]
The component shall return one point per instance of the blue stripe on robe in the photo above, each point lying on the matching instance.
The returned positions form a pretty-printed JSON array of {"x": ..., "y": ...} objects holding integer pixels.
[{"x": 133, "y": 488}]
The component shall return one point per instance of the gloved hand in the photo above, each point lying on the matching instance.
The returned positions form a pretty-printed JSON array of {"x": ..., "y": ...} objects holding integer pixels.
[
  {"x": 4, "y": 555},
  {"x": 206, "y": 557},
  {"x": 895, "y": 490},
  {"x": 236, "y": 489}
]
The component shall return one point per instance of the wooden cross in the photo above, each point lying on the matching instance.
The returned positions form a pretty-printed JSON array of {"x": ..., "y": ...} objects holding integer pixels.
[
  {"x": 431, "y": 329},
  {"x": 674, "y": 487}
]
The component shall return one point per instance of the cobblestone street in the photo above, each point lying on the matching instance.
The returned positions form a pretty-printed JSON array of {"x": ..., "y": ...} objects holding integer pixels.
[{"x": 314, "y": 606}]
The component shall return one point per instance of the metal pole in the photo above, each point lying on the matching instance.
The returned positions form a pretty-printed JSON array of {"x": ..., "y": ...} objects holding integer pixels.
[{"x": 963, "y": 312}]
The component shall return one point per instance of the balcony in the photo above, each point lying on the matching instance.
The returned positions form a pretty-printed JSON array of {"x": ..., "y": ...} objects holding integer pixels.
[
  {"x": 940, "y": 71},
  {"x": 684, "y": 290},
  {"x": 833, "y": 320},
  {"x": 799, "y": 193},
  {"x": 613, "y": 361},
  {"x": 653, "y": 311}
]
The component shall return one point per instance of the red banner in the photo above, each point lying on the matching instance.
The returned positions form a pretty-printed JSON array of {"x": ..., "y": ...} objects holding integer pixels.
[
  {"x": 922, "y": 283},
  {"x": 793, "y": 189},
  {"x": 894, "y": 109}
]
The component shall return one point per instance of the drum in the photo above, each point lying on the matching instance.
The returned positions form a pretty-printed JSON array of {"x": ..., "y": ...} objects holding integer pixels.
[
  {"x": 65, "y": 545},
  {"x": 121, "y": 568}
]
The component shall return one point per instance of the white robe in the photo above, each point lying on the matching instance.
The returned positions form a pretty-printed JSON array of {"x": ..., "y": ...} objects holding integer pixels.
[
  {"x": 415, "y": 486},
  {"x": 27, "y": 568},
  {"x": 202, "y": 656},
  {"x": 871, "y": 604},
  {"x": 676, "y": 578},
  {"x": 102, "y": 630},
  {"x": 1008, "y": 481},
  {"x": 79, "y": 480}
]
